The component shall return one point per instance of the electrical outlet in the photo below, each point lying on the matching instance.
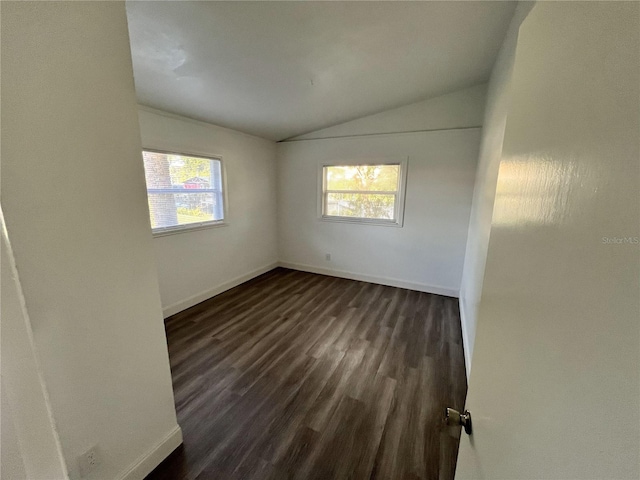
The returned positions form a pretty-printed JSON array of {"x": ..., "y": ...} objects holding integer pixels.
[
  {"x": 89, "y": 461},
  {"x": 327, "y": 257}
]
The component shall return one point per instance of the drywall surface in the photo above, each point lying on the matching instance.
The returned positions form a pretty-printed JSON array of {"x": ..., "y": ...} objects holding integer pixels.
[
  {"x": 29, "y": 443},
  {"x": 11, "y": 460},
  {"x": 557, "y": 351},
  {"x": 75, "y": 206},
  {"x": 495, "y": 118},
  {"x": 281, "y": 69},
  {"x": 463, "y": 108},
  {"x": 426, "y": 253},
  {"x": 195, "y": 265}
]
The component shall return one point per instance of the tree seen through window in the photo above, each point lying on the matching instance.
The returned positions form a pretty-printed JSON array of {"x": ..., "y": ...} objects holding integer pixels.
[{"x": 361, "y": 191}]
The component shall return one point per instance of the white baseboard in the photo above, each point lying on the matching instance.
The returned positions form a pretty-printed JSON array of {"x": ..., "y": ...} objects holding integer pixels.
[
  {"x": 150, "y": 460},
  {"x": 392, "y": 282},
  {"x": 212, "y": 292},
  {"x": 465, "y": 338}
]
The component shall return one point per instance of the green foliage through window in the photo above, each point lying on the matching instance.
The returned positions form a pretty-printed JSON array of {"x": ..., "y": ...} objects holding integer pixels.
[
  {"x": 361, "y": 191},
  {"x": 182, "y": 189}
]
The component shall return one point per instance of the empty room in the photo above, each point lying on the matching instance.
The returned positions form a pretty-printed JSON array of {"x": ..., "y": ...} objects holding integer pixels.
[{"x": 313, "y": 240}]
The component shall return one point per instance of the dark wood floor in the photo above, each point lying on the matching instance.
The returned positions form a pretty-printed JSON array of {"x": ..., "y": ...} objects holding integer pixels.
[{"x": 294, "y": 375}]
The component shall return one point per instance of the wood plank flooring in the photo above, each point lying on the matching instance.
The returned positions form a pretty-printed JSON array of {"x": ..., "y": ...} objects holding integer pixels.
[{"x": 294, "y": 375}]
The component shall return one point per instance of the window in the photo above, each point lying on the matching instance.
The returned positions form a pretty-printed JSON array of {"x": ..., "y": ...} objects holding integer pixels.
[
  {"x": 364, "y": 193},
  {"x": 184, "y": 191}
]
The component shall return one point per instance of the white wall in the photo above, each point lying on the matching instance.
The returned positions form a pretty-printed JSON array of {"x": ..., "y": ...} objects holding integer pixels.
[
  {"x": 463, "y": 108},
  {"x": 12, "y": 465},
  {"x": 495, "y": 117},
  {"x": 195, "y": 265},
  {"x": 427, "y": 252},
  {"x": 29, "y": 443},
  {"x": 75, "y": 205},
  {"x": 555, "y": 389}
]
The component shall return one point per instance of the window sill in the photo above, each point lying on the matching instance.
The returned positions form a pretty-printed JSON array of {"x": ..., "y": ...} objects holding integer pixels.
[
  {"x": 360, "y": 221},
  {"x": 185, "y": 229}
]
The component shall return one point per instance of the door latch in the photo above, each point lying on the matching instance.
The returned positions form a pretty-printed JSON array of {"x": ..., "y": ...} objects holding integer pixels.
[{"x": 454, "y": 418}]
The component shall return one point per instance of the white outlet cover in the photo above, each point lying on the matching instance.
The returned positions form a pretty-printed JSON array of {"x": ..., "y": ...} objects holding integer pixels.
[{"x": 89, "y": 461}]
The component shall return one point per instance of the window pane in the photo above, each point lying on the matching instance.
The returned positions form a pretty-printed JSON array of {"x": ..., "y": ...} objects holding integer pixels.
[
  {"x": 173, "y": 209},
  {"x": 175, "y": 185},
  {"x": 361, "y": 205},
  {"x": 362, "y": 177}
]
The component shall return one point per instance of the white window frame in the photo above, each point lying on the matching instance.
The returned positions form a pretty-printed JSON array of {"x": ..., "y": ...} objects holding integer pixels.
[
  {"x": 162, "y": 231},
  {"x": 399, "y": 206}
]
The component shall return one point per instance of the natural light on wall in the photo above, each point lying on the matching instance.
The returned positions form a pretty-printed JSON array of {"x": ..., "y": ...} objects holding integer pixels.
[
  {"x": 533, "y": 190},
  {"x": 184, "y": 191},
  {"x": 363, "y": 193}
]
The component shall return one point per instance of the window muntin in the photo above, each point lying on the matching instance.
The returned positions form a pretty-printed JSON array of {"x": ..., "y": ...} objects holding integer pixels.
[
  {"x": 367, "y": 193},
  {"x": 184, "y": 191}
]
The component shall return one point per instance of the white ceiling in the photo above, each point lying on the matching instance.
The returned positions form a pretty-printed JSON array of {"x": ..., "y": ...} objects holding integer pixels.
[{"x": 280, "y": 69}]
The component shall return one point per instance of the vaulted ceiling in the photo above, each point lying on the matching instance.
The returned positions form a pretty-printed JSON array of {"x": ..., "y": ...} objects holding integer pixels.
[{"x": 280, "y": 69}]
